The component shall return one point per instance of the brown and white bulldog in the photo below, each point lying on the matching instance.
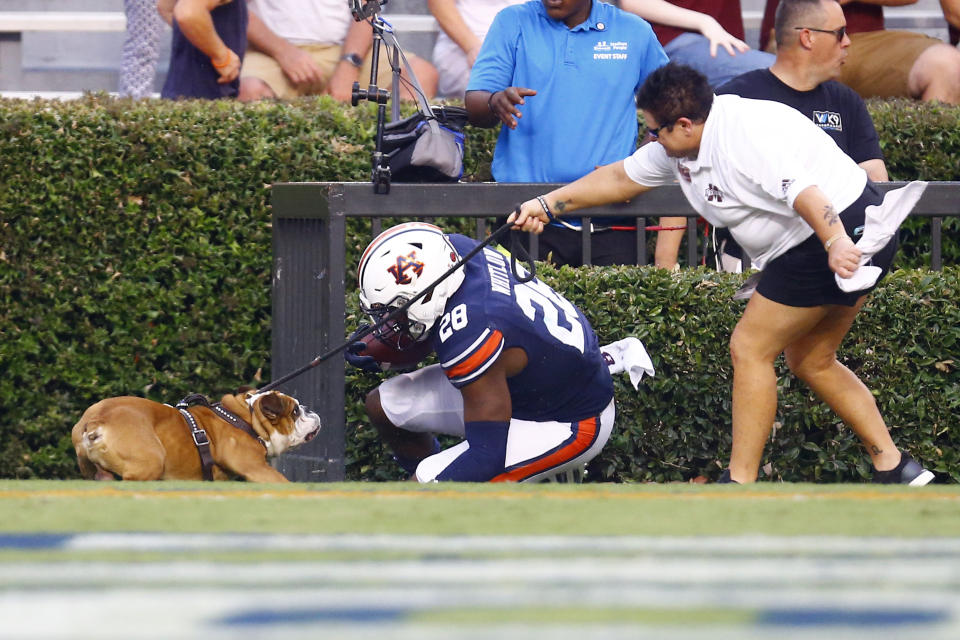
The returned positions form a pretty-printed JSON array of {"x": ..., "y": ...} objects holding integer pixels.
[{"x": 139, "y": 439}]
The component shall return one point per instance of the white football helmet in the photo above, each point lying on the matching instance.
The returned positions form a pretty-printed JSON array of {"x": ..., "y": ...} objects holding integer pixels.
[{"x": 399, "y": 264}]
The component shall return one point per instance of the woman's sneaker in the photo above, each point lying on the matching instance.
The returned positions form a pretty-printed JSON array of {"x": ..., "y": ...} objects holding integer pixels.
[{"x": 908, "y": 472}]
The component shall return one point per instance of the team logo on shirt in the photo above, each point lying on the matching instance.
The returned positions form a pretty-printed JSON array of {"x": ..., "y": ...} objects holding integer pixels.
[
  {"x": 604, "y": 50},
  {"x": 785, "y": 185},
  {"x": 713, "y": 193},
  {"x": 684, "y": 171},
  {"x": 828, "y": 120},
  {"x": 404, "y": 264}
]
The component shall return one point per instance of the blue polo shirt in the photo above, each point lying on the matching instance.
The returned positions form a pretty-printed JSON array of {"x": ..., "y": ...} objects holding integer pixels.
[{"x": 585, "y": 112}]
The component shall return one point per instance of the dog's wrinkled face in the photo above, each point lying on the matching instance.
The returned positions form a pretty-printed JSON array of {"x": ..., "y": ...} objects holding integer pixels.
[{"x": 287, "y": 423}]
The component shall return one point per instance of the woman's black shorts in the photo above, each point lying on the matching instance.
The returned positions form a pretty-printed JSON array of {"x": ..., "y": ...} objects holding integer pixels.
[{"x": 801, "y": 277}]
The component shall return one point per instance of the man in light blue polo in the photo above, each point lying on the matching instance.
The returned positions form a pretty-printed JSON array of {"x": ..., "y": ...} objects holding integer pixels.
[{"x": 561, "y": 75}]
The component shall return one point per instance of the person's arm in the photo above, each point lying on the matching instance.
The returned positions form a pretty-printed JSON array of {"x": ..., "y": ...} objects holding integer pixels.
[
  {"x": 487, "y": 409},
  {"x": 196, "y": 24},
  {"x": 668, "y": 243},
  {"x": 951, "y": 11},
  {"x": 485, "y": 109},
  {"x": 165, "y": 9},
  {"x": 674, "y": 16},
  {"x": 296, "y": 64},
  {"x": 450, "y": 20},
  {"x": 358, "y": 41},
  {"x": 817, "y": 211},
  {"x": 876, "y": 170},
  {"x": 605, "y": 185}
]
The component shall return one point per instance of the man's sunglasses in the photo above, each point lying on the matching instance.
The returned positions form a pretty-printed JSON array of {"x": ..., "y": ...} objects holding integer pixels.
[
  {"x": 655, "y": 131},
  {"x": 839, "y": 33}
]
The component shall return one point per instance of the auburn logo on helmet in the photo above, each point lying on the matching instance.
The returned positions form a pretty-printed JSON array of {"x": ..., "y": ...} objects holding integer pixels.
[{"x": 404, "y": 264}]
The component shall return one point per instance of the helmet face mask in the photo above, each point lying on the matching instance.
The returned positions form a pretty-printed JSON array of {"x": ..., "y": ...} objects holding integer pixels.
[
  {"x": 398, "y": 331},
  {"x": 400, "y": 264}
]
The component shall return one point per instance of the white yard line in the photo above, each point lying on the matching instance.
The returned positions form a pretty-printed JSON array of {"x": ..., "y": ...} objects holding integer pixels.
[{"x": 788, "y": 588}]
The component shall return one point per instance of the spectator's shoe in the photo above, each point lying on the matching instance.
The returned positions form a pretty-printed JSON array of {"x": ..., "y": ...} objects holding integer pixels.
[
  {"x": 748, "y": 287},
  {"x": 908, "y": 472},
  {"x": 725, "y": 478}
]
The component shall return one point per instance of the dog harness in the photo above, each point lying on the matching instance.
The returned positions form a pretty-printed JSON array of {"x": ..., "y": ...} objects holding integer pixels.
[{"x": 200, "y": 438}]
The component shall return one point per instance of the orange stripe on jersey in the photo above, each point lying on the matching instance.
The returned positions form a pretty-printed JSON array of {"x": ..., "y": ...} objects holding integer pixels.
[
  {"x": 586, "y": 436},
  {"x": 478, "y": 357}
]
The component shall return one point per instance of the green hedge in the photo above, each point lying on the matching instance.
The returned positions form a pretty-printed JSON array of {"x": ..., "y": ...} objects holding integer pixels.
[{"x": 135, "y": 259}]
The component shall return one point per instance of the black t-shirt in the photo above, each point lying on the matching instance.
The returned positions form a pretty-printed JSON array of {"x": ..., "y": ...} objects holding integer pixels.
[{"x": 834, "y": 107}]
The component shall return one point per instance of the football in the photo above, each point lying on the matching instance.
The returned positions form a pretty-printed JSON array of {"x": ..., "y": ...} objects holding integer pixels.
[{"x": 390, "y": 356}]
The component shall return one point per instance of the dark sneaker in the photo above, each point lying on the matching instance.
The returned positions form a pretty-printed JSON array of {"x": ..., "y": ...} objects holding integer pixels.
[
  {"x": 908, "y": 472},
  {"x": 725, "y": 478}
]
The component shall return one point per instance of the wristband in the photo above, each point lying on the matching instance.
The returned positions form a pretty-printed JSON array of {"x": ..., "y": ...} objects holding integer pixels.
[
  {"x": 831, "y": 240},
  {"x": 220, "y": 66},
  {"x": 546, "y": 209},
  {"x": 490, "y": 99}
]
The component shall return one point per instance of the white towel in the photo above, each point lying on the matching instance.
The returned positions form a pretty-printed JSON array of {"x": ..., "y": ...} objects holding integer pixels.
[
  {"x": 881, "y": 221},
  {"x": 628, "y": 355}
]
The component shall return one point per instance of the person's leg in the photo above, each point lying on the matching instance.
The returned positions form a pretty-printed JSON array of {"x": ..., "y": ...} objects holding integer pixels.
[
  {"x": 408, "y": 409},
  {"x": 261, "y": 78},
  {"x": 935, "y": 75},
  {"x": 693, "y": 49},
  {"x": 141, "y": 48},
  {"x": 762, "y": 333},
  {"x": 813, "y": 358}
]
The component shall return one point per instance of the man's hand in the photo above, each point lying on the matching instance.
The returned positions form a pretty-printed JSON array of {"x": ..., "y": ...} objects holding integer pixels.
[
  {"x": 843, "y": 256},
  {"x": 341, "y": 82},
  {"x": 351, "y": 355},
  {"x": 228, "y": 67},
  {"x": 300, "y": 68},
  {"x": 719, "y": 37},
  {"x": 503, "y": 104}
]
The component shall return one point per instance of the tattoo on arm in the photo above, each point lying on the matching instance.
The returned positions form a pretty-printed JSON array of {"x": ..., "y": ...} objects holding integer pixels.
[
  {"x": 876, "y": 450},
  {"x": 560, "y": 206},
  {"x": 830, "y": 215}
]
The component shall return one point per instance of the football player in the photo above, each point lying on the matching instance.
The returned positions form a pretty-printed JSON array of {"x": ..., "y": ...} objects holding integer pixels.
[{"x": 520, "y": 378}]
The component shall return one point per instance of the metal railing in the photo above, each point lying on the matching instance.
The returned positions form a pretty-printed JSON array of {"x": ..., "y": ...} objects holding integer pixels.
[{"x": 309, "y": 253}]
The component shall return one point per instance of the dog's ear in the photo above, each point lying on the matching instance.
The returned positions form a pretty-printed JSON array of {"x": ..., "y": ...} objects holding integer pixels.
[{"x": 272, "y": 406}]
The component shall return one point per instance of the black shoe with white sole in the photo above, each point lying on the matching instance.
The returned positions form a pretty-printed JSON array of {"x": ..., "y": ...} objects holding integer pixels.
[{"x": 908, "y": 472}]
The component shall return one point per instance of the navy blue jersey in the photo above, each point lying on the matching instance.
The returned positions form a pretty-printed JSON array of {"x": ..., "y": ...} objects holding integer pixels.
[{"x": 566, "y": 378}]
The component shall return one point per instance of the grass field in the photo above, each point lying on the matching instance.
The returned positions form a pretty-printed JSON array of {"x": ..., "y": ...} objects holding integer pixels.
[{"x": 399, "y": 560}]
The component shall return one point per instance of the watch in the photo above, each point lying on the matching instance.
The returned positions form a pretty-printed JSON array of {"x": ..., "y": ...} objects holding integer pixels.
[{"x": 353, "y": 59}]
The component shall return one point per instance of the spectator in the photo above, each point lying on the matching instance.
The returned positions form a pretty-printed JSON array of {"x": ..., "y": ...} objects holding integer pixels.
[
  {"x": 561, "y": 77},
  {"x": 463, "y": 26},
  {"x": 537, "y": 379},
  {"x": 209, "y": 39},
  {"x": 803, "y": 76},
  {"x": 141, "y": 48},
  {"x": 951, "y": 13},
  {"x": 886, "y": 64},
  {"x": 312, "y": 47},
  {"x": 794, "y": 201},
  {"x": 704, "y": 34}
]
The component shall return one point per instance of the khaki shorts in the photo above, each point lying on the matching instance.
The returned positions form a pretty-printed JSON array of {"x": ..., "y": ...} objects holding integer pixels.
[
  {"x": 327, "y": 56},
  {"x": 878, "y": 62}
]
